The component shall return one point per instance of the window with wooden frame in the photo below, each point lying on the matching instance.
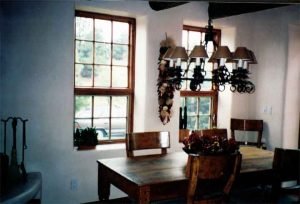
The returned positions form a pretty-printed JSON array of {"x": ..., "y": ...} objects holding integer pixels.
[
  {"x": 104, "y": 74},
  {"x": 201, "y": 106}
]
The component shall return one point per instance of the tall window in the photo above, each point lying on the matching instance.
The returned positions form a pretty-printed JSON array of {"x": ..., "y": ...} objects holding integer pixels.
[
  {"x": 104, "y": 74},
  {"x": 201, "y": 106}
]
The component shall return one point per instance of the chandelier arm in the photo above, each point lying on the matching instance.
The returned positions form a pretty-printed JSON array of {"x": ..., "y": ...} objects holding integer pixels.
[
  {"x": 238, "y": 78},
  {"x": 187, "y": 69}
]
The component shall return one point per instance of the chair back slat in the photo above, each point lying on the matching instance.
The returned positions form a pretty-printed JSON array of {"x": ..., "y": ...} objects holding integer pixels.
[
  {"x": 147, "y": 140},
  {"x": 183, "y": 133},
  {"x": 247, "y": 125}
]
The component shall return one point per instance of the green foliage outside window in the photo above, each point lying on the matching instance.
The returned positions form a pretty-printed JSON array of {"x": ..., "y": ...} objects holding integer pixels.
[{"x": 80, "y": 103}]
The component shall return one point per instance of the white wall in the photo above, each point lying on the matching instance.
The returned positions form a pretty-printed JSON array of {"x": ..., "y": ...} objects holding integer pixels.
[
  {"x": 275, "y": 65},
  {"x": 36, "y": 73},
  {"x": 266, "y": 33},
  {"x": 292, "y": 94},
  {"x": 140, "y": 73}
]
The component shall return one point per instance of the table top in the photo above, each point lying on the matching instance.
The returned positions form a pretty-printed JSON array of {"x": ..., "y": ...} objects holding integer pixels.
[
  {"x": 255, "y": 159},
  {"x": 145, "y": 170}
]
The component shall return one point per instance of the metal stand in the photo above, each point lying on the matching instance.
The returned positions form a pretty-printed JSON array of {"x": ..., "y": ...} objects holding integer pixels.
[{"x": 16, "y": 172}]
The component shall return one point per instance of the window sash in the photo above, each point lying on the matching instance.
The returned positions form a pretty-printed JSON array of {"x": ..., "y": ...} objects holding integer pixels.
[{"x": 94, "y": 90}]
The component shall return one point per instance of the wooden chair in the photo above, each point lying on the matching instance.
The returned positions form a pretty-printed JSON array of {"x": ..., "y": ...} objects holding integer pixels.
[
  {"x": 183, "y": 133},
  {"x": 247, "y": 125},
  {"x": 142, "y": 141},
  {"x": 211, "y": 177},
  {"x": 147, "y": 140},
  {"x": 212, "y": 132},
  {"x": 286, "y": 167}
]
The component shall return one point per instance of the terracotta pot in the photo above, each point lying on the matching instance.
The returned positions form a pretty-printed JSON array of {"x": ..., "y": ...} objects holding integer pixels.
[{"x": 86, "y": 147}]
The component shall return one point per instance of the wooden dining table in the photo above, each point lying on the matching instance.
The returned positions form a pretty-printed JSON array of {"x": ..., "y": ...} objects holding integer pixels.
[{"x": 159, "y": 177}]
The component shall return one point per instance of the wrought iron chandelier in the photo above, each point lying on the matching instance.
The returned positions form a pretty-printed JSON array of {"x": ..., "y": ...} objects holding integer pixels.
[{"x": 238, "y": 79}]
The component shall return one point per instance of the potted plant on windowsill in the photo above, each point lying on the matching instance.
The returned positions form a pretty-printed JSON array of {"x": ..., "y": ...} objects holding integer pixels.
[{"x": 86, "y": 138}]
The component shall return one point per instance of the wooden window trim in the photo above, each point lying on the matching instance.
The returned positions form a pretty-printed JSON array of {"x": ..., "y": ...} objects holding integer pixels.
[
  {"x": 96, "y": 91},
  {"x": 215, "y": 98},
  {"x": 105, "y": 16},
  {"x": 113, "y": 92}
]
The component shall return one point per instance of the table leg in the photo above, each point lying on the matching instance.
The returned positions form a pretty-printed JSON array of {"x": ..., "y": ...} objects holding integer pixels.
[
  {"x": 103, "y": 184},
  {"x": 144, "y": 195}
]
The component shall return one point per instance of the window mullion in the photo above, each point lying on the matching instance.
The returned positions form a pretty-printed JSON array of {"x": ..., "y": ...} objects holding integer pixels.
[
  {"x": 111, "y": 54},
  {"x": 93, "y": 109},
  {"x": 94, "y": 53},
  {"x": 110, "y": 111}
]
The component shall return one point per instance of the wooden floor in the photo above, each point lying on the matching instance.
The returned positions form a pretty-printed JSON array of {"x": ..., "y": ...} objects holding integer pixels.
[
  {"x": 116, "y": 201},
  {"x": 255, "y": 195}
]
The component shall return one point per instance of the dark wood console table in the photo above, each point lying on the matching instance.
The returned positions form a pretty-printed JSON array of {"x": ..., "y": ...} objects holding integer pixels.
[{"x": 24, "y": 192}]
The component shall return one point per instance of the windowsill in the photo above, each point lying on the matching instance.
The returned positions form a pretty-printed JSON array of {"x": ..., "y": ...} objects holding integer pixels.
[{"x": 104, "y": 147}]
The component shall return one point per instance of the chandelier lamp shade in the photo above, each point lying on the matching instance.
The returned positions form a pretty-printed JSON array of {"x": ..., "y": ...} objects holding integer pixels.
[{"x": 238, "y": 78}]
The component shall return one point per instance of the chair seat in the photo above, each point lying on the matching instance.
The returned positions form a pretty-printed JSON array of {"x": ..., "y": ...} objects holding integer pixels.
[
  {"x": 296, "y": 188},
  {"x": 293, "y": 190}
]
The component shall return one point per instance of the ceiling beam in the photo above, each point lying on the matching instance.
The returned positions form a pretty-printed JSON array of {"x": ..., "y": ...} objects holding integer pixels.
[
  {"x": 159, "y": 5},
  {"x": 235, "y": 1},
  {"x": 221, "y": 10}
]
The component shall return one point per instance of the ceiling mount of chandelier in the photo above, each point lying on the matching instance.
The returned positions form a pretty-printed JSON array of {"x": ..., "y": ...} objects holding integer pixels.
[{"x": 238, "y": 79}]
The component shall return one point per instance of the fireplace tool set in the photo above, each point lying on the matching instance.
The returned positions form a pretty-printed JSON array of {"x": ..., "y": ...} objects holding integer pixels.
[{"x": 11, "y": 173}]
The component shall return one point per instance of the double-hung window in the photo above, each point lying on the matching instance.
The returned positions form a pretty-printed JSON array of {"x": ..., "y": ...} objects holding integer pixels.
[
  {"x": 104, "y": 74},
  {"x": 201, "y": 106}
]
